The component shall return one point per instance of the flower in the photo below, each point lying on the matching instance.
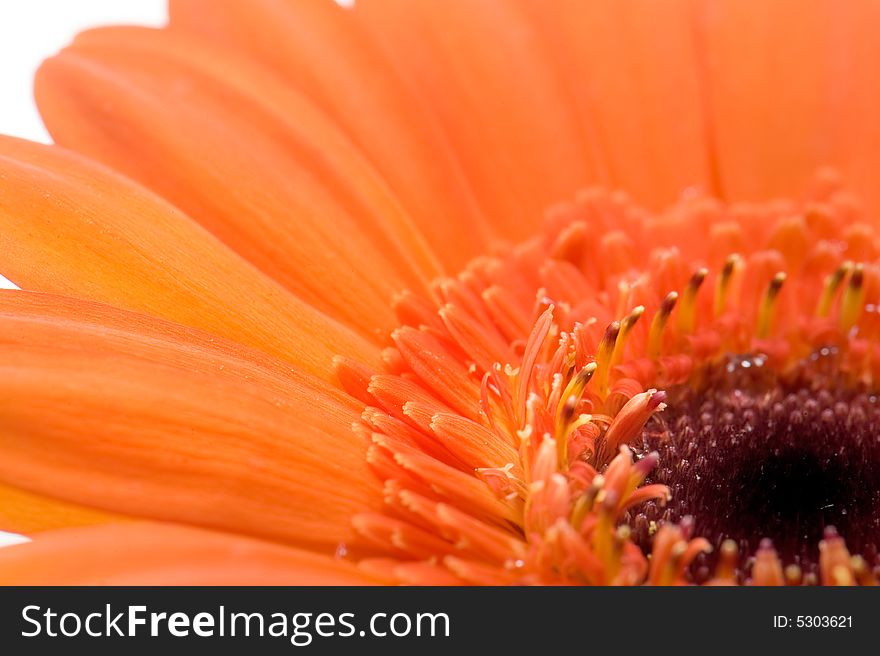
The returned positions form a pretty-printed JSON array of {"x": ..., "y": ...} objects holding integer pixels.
[{"x": 292, "y": 314}]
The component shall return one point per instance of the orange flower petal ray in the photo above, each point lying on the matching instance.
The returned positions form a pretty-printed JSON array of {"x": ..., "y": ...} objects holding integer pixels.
[
  {"x": 72, "y": 227},
  {"x": 364, "y": 95},
  {"x": 153, "y": 553},
  {"x": 494, "y": 91},
  {"x": 791, "y": 87},
  {"x": 633, "y": 74},
  {"x": 254, "y": 162},
  {"x": 24, "y": 512},
  {"x": 151, "y": 419}
]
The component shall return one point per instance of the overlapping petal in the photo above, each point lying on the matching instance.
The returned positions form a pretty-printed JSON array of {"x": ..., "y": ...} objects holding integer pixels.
[
  {"x": 130, "y": 414},
  {"x": 72, "y": 227},
  {"x": 253, "y": 161},
  {"x": 791, "y": 86},
  {"x": 26, "y": 512},
  {"x": 492, "y": 86},
  {"x": 637, "y": 82},
  {"x": 154, "y": 553},
  {"x": 317, "y": 47}
]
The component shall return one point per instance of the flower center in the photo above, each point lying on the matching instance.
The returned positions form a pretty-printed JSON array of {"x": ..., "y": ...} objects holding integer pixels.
[
  {"x": 750, "y": 454},
  {"x": 504, "y": 422}
]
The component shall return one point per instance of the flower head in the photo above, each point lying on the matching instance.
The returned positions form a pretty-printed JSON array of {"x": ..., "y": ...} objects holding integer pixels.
[{"x": 322, "y": 309}]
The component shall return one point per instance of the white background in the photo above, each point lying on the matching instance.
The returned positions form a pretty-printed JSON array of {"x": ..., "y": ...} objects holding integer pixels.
[{"x": 30, "y": 31}]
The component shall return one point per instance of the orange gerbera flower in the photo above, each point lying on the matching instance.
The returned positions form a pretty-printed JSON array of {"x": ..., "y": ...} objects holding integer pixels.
[{"x": 297, "y": 310}]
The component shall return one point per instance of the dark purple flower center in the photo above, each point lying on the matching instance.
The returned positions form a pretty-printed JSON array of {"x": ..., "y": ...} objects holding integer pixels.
[{"x": 751, "y": 454}]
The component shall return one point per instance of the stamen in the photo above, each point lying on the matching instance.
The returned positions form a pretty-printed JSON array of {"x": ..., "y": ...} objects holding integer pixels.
[
  {"x": 687, "y": 310},
  {"x": 722, "y": 287},
  {"x": 767, "y": 569},
  {"x": 626, "y": 327},
  {"x": 853, "y": 299},
  {"x": 575, "y": 389},
  {"x": 832, "y": 283},
  {"x": 768, "y": 304},
  {"x": 567, "y": 405},
  {"x": 834, "y": 559},
  {"x": 728, "y": 561},
  {"x": 603, "y": 357},
  {"x": 658, "y": 323}
]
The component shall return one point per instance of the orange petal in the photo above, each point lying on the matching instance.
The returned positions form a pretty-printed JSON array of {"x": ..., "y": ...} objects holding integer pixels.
[
  {"x": 766, "y": 63},
  {"x": 153, "y": 553},
  {"x": 254, "y": 162},
  {"x": 72, "y": 227},
  {"x": 853, "y": 91},
  {"x": 494, "y": 90},
  {"x": 24, "y": 512},
  {"x": 318, "y": 48},
  {"x": 130, "y": 414},
  {"x": 793, "y": 86},
  {"x": 633, "y": 75}
]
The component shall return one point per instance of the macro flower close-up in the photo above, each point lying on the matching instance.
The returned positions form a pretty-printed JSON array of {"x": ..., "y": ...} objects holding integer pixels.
[{"x": 444, "y": 292}]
